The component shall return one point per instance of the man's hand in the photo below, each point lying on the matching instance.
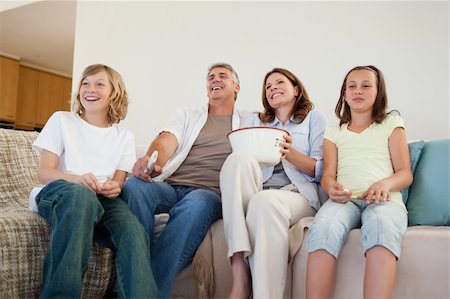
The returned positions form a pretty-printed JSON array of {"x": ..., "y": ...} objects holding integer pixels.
[{"x": 140, "y": 169}]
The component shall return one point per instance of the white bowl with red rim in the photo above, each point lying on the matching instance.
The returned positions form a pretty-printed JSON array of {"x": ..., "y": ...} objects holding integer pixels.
[{"x": 262, "y": 142}]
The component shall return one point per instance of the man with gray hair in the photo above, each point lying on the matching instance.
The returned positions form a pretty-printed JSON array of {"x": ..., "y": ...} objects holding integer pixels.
[{"x": 184, "y": 181}]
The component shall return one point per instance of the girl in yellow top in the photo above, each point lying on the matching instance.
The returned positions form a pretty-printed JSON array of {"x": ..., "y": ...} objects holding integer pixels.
[{"x": 366, "y": 164}]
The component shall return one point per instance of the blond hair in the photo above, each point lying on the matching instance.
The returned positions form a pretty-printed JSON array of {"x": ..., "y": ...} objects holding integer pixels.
[{"x": 118, "y": 99}]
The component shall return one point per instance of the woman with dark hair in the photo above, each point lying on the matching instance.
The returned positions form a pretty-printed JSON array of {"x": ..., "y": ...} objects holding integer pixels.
[{"x": 260, "y": 204}]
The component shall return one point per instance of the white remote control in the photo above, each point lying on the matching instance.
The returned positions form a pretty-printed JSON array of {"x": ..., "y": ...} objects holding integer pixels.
[{"x": 151, "y": 161}]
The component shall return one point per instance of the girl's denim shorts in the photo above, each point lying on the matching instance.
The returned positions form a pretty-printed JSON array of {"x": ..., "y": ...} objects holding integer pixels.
[{"x": 383, "y": 224}]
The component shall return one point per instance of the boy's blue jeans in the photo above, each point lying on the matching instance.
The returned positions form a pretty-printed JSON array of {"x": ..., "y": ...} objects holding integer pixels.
[
  {"x": 192, "y": 211},
  {"x": 77, "y": 217}
]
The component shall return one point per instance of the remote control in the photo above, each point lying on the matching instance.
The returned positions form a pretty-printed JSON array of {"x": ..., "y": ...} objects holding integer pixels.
[{"x": 151, "y": 161}]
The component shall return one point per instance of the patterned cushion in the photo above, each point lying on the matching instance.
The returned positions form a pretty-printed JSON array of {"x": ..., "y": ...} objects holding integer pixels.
[
  {"x": 24, "y": 235},
  {"x": 18, "y": 168}
]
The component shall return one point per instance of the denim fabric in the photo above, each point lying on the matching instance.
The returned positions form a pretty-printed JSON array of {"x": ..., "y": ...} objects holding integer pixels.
[
  {"x": 192, "y": 210},
  {"x": 381, "y": 224},
  {"x": 77, "y": 217}
]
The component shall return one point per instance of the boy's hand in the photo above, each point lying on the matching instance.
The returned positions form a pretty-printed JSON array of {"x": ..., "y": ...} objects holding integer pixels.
[
  {"x": 89, "y": 180},
  {"x": 110, "y": 189}
]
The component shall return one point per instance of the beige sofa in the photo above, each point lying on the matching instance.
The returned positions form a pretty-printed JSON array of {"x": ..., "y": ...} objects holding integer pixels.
[
  {"x": 424, "y": 266},
  {"x": 423, "y": 269}
]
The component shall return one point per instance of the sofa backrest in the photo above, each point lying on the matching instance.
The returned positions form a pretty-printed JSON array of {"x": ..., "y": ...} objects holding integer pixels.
[{"x": 18, "y": 168}]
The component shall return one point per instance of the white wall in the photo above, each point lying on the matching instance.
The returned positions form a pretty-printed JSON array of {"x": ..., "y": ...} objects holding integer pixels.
[
  {"x": 10, "y": 4},
  {"x": 163, "y": 50}
]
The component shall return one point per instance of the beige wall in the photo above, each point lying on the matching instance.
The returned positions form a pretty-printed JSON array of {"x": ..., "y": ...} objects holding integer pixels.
[{"x": 163, "y": 50}]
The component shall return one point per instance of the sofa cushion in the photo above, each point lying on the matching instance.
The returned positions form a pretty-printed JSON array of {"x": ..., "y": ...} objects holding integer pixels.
[
  {"x": 429, "y": 198},
  {"x": 415, "y": 150},
  {"x": 422, "y": 270},
  {"x": 18, "y": 171}
]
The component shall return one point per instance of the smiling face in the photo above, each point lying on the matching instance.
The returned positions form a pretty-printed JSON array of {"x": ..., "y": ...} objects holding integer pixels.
[
  {"x": 280, "y": 92},
  {"x": 361, "y": 90},
  {"x": 95, "y": 91},
  {"x": 221, "y": 85}
]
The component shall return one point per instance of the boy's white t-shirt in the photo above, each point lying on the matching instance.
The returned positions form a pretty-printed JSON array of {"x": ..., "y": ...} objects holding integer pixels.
[{"x": 84, "y": 148}]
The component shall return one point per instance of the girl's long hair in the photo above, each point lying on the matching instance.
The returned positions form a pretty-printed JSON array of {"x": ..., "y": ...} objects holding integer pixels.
[{"x": 379, "y": 113}]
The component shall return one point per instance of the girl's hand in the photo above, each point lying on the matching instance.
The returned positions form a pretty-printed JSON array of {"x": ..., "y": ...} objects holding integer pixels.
[
  {"x": 110, "y": 189},
  {"x": 89, "y": 180},
  {"x": 338, "y": 193},
  {"x": 286, "y": 146},
  {"x": 378, "y": 192}
]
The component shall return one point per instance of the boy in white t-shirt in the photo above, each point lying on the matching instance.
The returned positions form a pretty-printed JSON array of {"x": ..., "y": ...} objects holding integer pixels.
[{"x": 84, "y": 162}]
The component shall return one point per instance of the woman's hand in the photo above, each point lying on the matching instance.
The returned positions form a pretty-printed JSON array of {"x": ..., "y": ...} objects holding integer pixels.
[
  {"x": 286, "y": 146},
  {"x": 378, "y": 192},
  {"x": 338, "y": 193},
  {"x": 110, "y": 189},
  {"x": 302, "y": 162}
]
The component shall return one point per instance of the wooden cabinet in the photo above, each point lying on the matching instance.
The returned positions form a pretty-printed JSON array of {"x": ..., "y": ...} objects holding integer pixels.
[
  {"x": 67, "y": 94},
  {"x": 49, "y": 95},
  {"x": 9, "y": 79},
  {"x": 40, "y": 94},
  {"x": 27, "y": 98}
]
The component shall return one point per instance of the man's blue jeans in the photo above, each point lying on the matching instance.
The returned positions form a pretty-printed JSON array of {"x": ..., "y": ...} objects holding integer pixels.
[
  {"x": 192, "y": 211},
  {"x": 77, "y": 217}
]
